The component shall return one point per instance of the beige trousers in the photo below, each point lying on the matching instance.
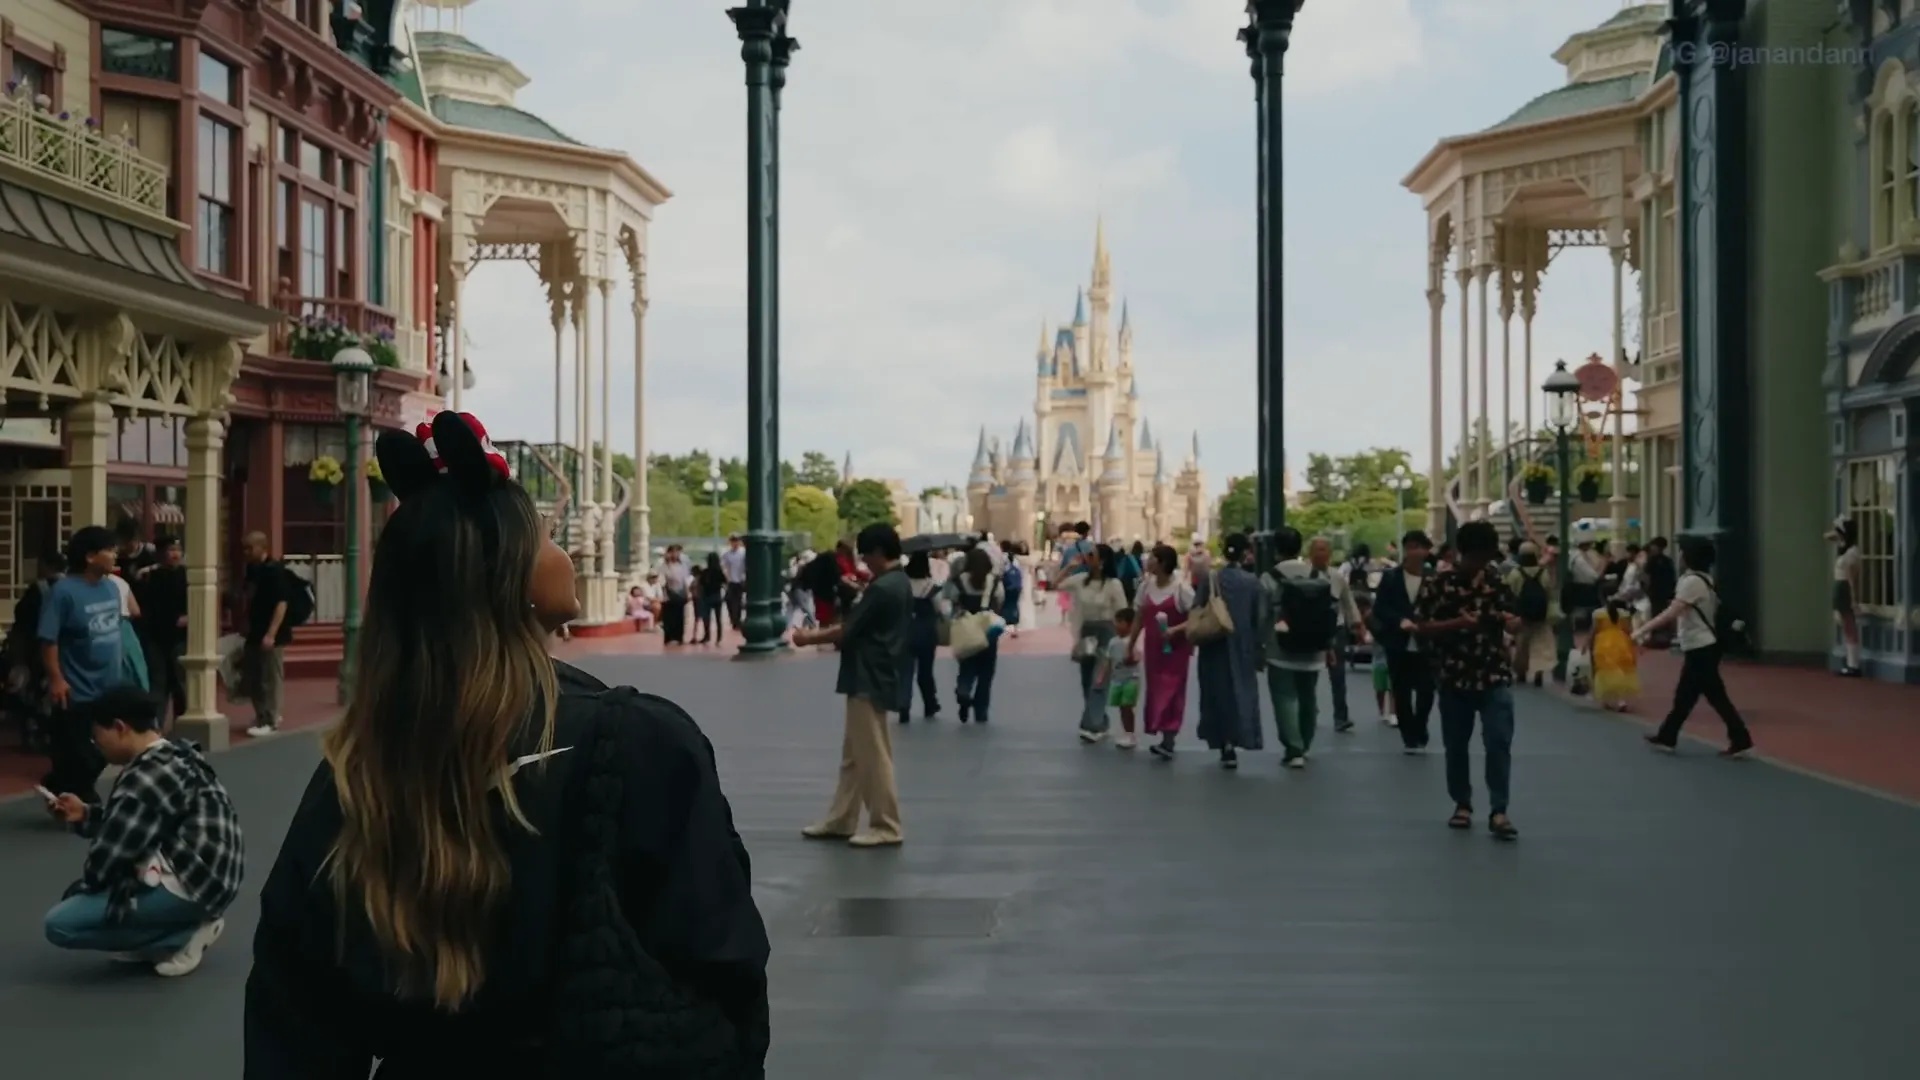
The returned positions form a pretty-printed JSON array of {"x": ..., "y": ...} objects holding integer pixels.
[
  {"x": 1534, "y": 650},
  {"x": 866, "y": 774}
]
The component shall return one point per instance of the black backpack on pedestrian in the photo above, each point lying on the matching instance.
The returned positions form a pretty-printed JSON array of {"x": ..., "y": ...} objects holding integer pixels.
[
  {"x": 1534, "y": 604},
  {"x": 299, "y": 597},
  {"x": 1729, "y": 630},
  {"x": 1311, "y": 612}
]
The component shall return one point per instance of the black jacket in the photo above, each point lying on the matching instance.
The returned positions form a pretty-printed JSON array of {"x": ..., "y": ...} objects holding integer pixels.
[
  {"x": 320, "y": 1010},
  {"x": 1390, "y": 608}
]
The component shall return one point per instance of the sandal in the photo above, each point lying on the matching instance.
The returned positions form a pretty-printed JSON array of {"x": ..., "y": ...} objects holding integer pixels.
[
  {"x": 1462, "y": 819},
  {"x": 1502, "y": 828}
]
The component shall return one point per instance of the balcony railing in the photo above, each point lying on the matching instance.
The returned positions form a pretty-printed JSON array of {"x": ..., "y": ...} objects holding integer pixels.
[
  {"x": 74, "y": 151},
  {"x": 317, "y": 327}
]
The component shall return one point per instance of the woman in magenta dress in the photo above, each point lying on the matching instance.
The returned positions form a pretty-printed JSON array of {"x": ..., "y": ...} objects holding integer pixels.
[{"x": 1163, "y": 602}]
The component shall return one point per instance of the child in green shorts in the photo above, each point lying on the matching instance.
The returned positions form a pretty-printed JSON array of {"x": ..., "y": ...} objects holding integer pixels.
[{"x": 1120, "y": 674}]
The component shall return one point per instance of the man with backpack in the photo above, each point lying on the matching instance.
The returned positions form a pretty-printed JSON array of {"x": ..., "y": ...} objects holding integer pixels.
[
  {"x": 277, "y": 601},
  {"x": 1300, "y": 618},
  {"x": 1532, "y": 586}
]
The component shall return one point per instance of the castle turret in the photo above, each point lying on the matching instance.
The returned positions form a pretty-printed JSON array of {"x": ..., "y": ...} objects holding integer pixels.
[
  {"x": 1163, "y": 499},
  {"x": 1126, "y": 339},
  {"x": 980, "y": 480},
  {"x": 1022, "y": 488},
  {"x": 1099, "y": 294},
  {"x": 1114, "y": 524},
  {"x": 1191, "y": 489}
]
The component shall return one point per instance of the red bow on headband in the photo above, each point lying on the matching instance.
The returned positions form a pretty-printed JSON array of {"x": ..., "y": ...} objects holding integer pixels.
[{"x": 494, "y": 457}]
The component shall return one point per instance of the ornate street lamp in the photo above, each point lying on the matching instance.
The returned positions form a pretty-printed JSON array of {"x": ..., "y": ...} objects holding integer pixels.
[
  {"x": 1562, "y": 389},
  {"x": 766, "y": 51},
  {"x": 715, "y": 487},
  {"x": 352, "y": 387},
  {"x": 1399, "y": 481},
  {"x": 1266, "y": 36}
]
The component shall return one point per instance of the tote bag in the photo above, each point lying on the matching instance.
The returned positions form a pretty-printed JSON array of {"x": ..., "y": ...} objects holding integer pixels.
[
  {"x": 133, "y": 657},
  {"x": 1212, "y": 621},
  {"x": 967, "y": 634}
]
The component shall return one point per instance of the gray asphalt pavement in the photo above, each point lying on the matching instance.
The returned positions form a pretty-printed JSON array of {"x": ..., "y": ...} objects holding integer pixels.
[{"x": 1063, "y": 912}]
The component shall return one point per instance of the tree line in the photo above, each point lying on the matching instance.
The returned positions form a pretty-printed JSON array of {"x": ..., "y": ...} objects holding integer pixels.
[{"x": 816, "y": 502}]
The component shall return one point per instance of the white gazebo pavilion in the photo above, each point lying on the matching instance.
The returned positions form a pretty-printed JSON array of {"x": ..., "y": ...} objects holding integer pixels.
[
  {"x": 519, "y": 190},
  {"x": 1561, "y": 172}
]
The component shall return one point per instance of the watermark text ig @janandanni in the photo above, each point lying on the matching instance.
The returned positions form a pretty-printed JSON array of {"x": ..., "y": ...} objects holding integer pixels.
[{"x": 1726, "y": 55}]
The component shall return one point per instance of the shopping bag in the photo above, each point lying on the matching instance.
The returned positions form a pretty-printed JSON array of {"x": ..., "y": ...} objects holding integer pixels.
[
  {"x": 967, "y": 635},
  {"x": 133, "y": 657},
  {"x": 1579, "y": 672},
  {"x": 232, "y": 649}
]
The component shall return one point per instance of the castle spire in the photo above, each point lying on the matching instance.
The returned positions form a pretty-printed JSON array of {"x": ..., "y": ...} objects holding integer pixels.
[
  {"x": 982, "y": 463},
  {"x": 1146, "y": 434},
  {"x": 1022, "y": 444},
  {"x": 1079, "y": 307},
  {"x": 1126, "y": 323},
  {"x": 1193, "y": 455}
]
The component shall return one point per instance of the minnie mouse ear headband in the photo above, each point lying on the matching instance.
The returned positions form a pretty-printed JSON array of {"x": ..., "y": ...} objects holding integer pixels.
[{"x": 454, "y": 448}]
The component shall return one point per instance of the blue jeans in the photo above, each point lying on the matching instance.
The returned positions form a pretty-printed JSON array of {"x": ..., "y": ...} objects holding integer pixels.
[
  {"x": 157, "y": 927},
  {"x": 1494, "y": 708},
  {"x": 974, "y": 687}
]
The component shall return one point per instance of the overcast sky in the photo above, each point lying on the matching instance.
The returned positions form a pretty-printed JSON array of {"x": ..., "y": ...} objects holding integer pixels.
[{"x": 944, "y": 164}]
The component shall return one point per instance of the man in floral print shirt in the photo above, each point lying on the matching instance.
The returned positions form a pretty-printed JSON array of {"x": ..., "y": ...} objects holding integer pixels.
[{"x": 1466, "y": 612}]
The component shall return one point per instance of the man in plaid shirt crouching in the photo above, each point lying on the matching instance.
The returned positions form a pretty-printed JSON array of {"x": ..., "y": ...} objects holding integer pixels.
[{"x": 167, "y": 856}]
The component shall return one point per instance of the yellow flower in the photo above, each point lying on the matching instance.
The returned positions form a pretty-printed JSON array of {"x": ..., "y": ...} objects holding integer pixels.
[
  {"x": 325, "y": 470},
  {"x": 373, "y": 471}
]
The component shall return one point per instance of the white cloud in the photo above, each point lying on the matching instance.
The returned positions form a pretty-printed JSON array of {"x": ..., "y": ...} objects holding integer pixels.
[{"x": 943, "y": 164}]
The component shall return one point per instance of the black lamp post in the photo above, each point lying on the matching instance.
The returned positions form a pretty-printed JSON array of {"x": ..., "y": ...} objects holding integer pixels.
[
  {"x": 765, "y": 49},
  {"x": 1563, "y": 392},
  {"x": 1268, "y": 31},
  {"x": 352, "y": 383}
]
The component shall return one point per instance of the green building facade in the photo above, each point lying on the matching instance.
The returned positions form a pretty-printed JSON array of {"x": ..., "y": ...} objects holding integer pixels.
[{"x": 1772, "y": 188}]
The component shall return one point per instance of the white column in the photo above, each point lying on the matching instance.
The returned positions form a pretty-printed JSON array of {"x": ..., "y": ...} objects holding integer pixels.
[
  {"x": 89, "y": 428},
  {"x": 1436, "y": 439},
  {"x": 457, "y": 370},
  {"x": 1529, "y": 297},
  {"x": 609, "y": 564},
  {"x": 1482, "y": 486},
  {"x": 1464, "y": 278},
  {"x": 1506, "y": 374},
  {"x": 1617, "y": 503},
  {"x": 642, "y": 513},
  {"x": 557, "y": 315},
  {"x": 586, "y": 511},
  {"x": 203, "y": 722}
]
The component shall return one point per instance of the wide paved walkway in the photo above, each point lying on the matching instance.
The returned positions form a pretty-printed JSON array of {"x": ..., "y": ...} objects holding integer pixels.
[{"x": 1064, "y": 912}]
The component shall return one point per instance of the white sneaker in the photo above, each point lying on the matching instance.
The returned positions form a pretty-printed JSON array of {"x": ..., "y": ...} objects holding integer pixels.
[
  {"x": 1126, "y": 742},
  {"x": 188, "y": 959},
  {"x": 261, "y": 731}
]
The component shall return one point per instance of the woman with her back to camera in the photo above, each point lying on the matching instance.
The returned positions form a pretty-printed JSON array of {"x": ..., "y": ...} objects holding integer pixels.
[{"x": 502, "y": 866}]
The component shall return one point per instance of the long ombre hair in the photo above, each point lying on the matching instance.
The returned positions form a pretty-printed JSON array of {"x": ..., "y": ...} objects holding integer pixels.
[{"x": 452, "y": 672}]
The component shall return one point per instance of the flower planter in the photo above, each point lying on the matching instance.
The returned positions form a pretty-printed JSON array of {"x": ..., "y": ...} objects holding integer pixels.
[
  {"x": 378, "y": 489},
  {"x": 323, "y": 494},
  {"x": 1539, "y": 491},
  {"x": 1589, "y": 490}
]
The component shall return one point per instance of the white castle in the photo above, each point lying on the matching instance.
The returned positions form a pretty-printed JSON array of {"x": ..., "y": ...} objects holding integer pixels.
[{"x": 1085, "y": 398}]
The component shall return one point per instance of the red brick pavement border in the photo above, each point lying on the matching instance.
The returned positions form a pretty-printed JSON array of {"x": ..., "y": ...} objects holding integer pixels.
[{"x": 1853, "y": 731}]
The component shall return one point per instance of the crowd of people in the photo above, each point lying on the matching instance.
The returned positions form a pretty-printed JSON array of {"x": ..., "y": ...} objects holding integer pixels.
[{"x": 1455, "y": 627}]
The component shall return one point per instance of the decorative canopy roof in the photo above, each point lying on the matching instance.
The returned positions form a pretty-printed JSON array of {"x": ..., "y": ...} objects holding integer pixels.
[
  {"x": 89, "y": 241},
  {"x": 1576, "y": 98},
  {"x": 498, "y": 119},
  {"x": 1608, "y": 65}
]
